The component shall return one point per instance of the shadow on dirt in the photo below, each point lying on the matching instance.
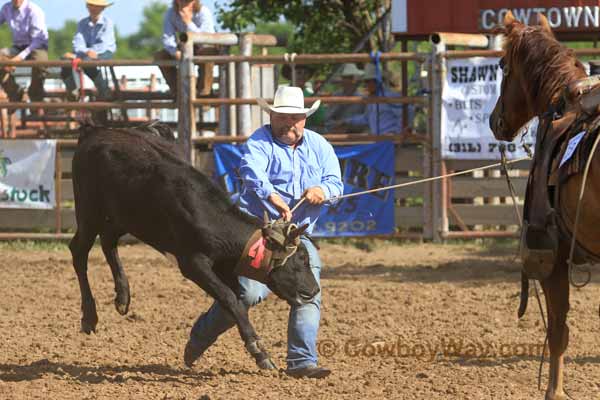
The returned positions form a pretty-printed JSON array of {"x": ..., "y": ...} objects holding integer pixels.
[
  {"x": 466, "y": 270},
  {"x": 108, "y": 373}
]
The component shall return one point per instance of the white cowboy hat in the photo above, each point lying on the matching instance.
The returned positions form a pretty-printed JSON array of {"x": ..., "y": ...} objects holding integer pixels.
[
  {"x": 100, "y": 3},
  {"x": 370, "y": 73},
  {"x": 288, "y": 100},
  {"x": 351, "y": 70}
]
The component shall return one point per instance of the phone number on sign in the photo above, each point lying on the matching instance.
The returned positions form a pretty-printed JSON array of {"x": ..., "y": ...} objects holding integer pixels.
[
  {"x": 473, "y": 147},
  {"x": 354, "y": 226}
]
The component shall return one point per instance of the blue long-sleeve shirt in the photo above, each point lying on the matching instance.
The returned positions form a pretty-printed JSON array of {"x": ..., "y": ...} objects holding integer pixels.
[
  {"x": 269, "y": 166},
  {"x": 390, "y": 117},
  {"x": 99, "y": 37},
  {"x": 202, "y": 21},
  {"x": 27, "y": 25}
]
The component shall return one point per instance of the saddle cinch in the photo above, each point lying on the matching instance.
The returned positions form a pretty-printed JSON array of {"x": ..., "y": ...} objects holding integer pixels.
[{"x": 541, "y": 225}]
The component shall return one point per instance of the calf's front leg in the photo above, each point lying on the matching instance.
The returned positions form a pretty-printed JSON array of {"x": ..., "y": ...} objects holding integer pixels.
[{"x": 198, "y": 269}]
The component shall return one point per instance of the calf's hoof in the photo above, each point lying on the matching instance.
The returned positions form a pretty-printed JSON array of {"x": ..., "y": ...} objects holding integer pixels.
[
  {"x": 267, "y": 363},
  {"x": 121, "y": 306},
  {"x": 191, "y": 353},
  {"x": 88, "y": 326}
]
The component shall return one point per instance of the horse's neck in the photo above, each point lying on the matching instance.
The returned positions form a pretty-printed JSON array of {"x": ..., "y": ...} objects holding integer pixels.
[{"x": 549, "y": 95}]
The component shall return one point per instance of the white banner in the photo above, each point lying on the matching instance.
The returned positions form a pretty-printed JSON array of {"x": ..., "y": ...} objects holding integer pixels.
[
  {"x": 469, "y": 95},
  {"x": 399, "y": 16},
  {"x": 27, "y": 169}
]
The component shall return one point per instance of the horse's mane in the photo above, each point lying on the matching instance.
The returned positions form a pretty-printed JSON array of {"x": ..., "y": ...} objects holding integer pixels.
[{"x": 549, "y": 66}]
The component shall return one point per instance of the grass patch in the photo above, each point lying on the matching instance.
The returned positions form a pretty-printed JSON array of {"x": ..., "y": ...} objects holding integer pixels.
[{"x": 35, "y": 245}]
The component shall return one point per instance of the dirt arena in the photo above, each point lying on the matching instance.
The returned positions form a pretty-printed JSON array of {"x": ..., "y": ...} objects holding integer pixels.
[{"x": 399, "y": 321}]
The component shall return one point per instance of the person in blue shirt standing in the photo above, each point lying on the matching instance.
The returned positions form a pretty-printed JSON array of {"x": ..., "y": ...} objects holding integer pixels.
[
  {"x": 94, "y": 40},
  {"x": 281, "y": 163},
  {"x": 381, "y": 118},
  {"x": 186, "y": 16}
]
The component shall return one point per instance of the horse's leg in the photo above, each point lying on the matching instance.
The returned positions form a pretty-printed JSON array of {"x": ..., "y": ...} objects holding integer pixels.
[
  {"x": 109, "y": 239},
  {"x": 80, "y": 246},
  {"x": 556, "y": 290}
]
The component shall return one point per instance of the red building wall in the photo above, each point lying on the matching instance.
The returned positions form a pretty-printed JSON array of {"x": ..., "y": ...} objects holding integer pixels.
[{"x": 427, "y": 16}]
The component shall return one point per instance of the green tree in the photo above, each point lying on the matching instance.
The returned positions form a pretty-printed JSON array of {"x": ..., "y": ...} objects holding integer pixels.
[
  {"x": 61, "y": 40},
  {"x": 321, "y": 26},
  {"x": 5, "y": 36},
  {"x": 147, "y": 39}
]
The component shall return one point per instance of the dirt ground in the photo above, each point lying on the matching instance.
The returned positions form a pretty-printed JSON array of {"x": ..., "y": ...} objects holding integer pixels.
[{"x": 399, "y": 321}]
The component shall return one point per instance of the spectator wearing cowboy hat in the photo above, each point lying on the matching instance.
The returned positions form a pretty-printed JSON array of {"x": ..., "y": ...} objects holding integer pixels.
[
  {"x": 27, "y": 24},
  {"x": 349, "y": 79},
  {"x": 94, "y": 40},
  {"x": 186, "y": 16},
  {"x": 381, "y": 118},
  {"x": 281, "y": 163}
]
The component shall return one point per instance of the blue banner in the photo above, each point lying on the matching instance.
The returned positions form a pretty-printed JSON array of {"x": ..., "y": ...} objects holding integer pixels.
[{"x": 364, "y": 167}]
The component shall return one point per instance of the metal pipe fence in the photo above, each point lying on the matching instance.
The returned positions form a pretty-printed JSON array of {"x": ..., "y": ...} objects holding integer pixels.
[{"x": 417, "y": 155}]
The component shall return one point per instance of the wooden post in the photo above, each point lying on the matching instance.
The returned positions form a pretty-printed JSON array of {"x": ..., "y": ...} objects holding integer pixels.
[
  {"x": 244, "y": 115},
  {"x": 186, "y": 93},
  {"x": 58, "y": 187},
  {"x": 231, "y": 88},
  {"x": 404, "y": 83},
  {"x": 439, "y": 213},
  {"x": 224, "y": 118},
  {"x": 150, "y": 113}
]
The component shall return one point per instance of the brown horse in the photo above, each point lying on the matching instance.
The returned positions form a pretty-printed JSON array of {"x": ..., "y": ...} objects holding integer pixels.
[{"x": 537, "y": 68}]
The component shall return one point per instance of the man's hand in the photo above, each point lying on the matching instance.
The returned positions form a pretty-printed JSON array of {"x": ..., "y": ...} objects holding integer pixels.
[
  {"x": 186, "y": 14},
  {"x": 314, "y": 195},
  {"x": 69, "y": 56},
  {"x": 11, "y": 68},
  {"x": 91, "y": 54},
  {"x": 281, "y": 206}
]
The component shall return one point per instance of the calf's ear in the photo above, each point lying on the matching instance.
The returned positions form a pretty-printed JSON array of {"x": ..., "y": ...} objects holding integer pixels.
[{"x": 296, "y": 233}]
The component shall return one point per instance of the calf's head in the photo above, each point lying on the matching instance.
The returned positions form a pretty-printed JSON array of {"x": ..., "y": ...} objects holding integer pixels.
[{"x": 291, "y": 277}]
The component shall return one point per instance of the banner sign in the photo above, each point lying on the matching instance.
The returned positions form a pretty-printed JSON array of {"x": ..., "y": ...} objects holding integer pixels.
[
  {"x": 364, "y": 167},
  {"x": 471, "y": 89},
  {"x": 27, "y": 169}
]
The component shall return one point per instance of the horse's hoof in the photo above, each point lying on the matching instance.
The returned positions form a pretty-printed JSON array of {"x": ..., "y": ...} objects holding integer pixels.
[
  {"x": 121, "y": 306},
  {"x": 561, "y": 396},
  {"x": 266, "y": 364}
]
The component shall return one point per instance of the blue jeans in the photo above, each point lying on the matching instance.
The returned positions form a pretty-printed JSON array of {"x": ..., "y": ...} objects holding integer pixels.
[
  {"x": 71, "y": 78},
  {"x": 303, "y": 322}
]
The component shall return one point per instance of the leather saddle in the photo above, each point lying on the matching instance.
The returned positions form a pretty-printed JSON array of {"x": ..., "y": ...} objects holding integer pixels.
[{"x": 540, "y": 235}]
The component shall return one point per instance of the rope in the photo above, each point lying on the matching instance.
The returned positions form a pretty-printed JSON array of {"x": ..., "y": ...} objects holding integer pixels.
[
  {"x": 376, "y": 59},
  {"x": 291, "y": 59},
  {"x": 434, "y": 178},
  {"x": 75, "y": 64},
  {"x": 570, "y": 262}
]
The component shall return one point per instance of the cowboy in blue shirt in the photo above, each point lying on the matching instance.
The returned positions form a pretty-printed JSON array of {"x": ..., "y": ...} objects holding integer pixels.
[
  {"x": 282, "y": 163},
  {"x": 94, "y": 40}
]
